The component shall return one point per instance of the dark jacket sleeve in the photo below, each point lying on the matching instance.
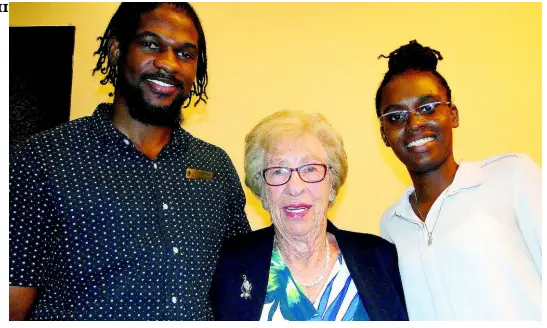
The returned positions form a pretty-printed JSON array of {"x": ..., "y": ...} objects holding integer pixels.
[
  {"x": 225, "y": 292},
  {"x": 248, "y": 256},
  {"x": 373, "y": 264},
  {"x": 388, "y": 252}
]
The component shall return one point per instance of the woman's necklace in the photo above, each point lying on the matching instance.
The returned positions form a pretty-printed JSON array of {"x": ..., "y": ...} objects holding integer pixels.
[
  {"x": 429, "y": 233},
  {"x": 327, "y": 260}
]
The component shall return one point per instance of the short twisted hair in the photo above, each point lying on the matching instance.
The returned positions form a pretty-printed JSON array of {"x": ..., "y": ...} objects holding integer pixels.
[{"x": 411, "y": 56}]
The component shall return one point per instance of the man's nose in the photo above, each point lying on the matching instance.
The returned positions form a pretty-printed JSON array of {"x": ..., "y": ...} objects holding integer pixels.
[{"x": 168, "y": 62}]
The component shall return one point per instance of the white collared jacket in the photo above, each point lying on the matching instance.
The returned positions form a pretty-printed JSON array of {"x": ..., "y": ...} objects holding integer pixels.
[{"x": 484, "y": 261}]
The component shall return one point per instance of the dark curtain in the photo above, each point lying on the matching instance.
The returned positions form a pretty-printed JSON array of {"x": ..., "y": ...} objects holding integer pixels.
[{"x": 40, "y": 79}]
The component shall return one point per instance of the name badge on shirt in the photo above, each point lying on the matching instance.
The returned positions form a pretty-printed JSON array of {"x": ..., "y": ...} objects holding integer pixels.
[{"x": 199, "y": 174}]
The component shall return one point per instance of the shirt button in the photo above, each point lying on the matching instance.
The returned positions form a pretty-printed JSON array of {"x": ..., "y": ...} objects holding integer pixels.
[
  {"x": 165, "y": 206},
  {"x": 174, "y": 299},
  {"x": 126, "y": 141},
  {"x": 155, "y": 165},
  {"x": 175, "y": 250}
]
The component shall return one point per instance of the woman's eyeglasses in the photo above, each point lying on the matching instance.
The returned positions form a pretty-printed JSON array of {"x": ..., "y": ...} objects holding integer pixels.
[{"x": 279, "y": 175}]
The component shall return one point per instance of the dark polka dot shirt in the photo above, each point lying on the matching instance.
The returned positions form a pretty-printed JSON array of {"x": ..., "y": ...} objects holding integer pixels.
[{"x": 105, "y": 233}]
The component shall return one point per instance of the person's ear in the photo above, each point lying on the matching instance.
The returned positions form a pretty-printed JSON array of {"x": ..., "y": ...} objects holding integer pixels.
[
  {"x": 265, "y": 203},
  {"x": 455, "y": 116},
  {"x": 384, "y": 138},
  {"x": 332, "y": 193},
  {"x": 264, "y": 198},
  {"x": 113, "y": 51}
]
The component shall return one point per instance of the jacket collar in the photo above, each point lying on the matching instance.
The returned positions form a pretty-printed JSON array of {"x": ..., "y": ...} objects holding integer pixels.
[
  {"x": 366, "y": 268},
  {"x": 362, "y": 264}
]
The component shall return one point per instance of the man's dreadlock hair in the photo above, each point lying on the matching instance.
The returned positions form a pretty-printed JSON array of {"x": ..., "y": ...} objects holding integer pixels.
[
  {"x": 411, "y": 56},
  {"x": 123, "y": 26}
]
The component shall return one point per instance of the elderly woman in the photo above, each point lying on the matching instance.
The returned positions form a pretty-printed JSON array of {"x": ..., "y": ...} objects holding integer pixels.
[{"x": 303, "y": 267}]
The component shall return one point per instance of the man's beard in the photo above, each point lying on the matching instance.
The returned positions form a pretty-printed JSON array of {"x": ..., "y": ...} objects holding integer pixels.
[{"x": 147, "y": 113}]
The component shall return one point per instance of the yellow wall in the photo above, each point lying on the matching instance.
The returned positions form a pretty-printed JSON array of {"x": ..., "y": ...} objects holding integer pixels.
[{"x": 322, "y": 57}]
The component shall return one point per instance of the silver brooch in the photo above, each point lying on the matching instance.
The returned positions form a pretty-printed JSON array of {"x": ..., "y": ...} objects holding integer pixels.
[{"x": 246, "y": 288}]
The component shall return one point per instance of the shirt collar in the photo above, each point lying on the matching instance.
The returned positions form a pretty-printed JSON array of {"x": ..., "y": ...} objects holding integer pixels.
[
  {"x": 468, "y": 175},
  {"x": 102, "y": 118},
  {"x": 179, "y": 136}
]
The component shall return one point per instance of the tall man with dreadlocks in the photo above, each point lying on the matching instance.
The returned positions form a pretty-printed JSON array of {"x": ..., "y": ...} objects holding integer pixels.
[
  {"x": 120, "y": 215},
  {"x": 468, "y": 234}
]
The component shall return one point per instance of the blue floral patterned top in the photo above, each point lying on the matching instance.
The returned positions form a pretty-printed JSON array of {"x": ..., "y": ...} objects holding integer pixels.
[{"x": 339, "y": 299}]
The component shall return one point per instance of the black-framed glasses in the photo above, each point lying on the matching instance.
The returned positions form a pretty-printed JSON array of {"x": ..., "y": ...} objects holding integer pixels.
[
  {"x": 310, "y": 173},
  {"x": 397, "y": 118}
]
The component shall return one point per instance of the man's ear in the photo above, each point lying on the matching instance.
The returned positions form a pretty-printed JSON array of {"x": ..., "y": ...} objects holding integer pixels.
[
  {"x": 455, "y": 116},
  {"x": 384, "y": 138},
  {"x": 113, "y": 51}
]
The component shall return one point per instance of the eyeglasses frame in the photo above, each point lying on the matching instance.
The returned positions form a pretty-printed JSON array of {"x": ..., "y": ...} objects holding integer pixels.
[
  {"x": 415, "y": 111},
  {"x": 325, "y": 166}
]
